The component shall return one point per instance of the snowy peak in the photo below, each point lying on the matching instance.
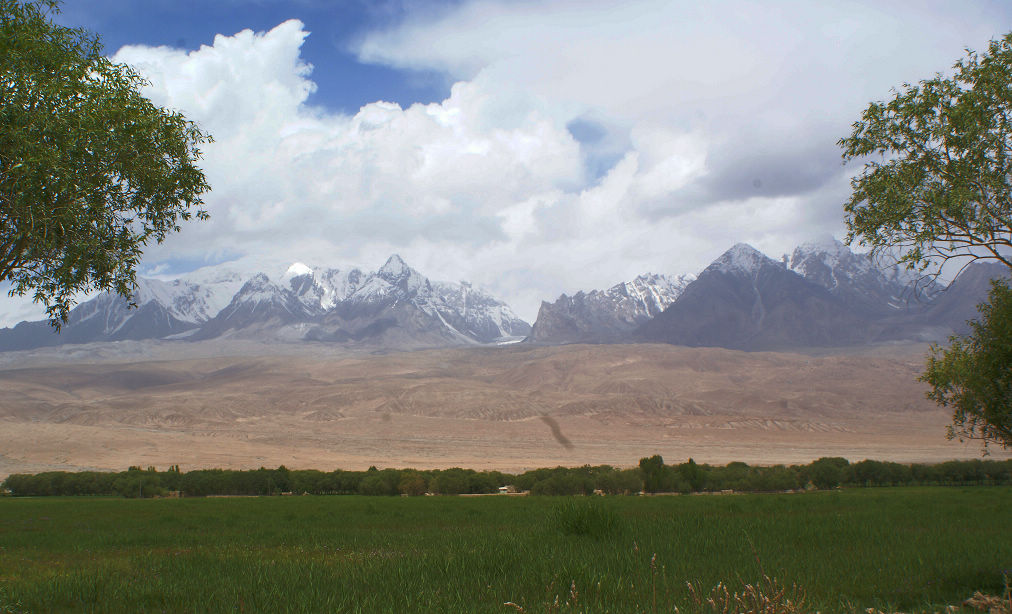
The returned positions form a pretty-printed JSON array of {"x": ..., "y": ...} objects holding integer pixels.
[
  {"x": 652, "y": 293},
  {"x": 394, "y": 268},
  {"x": 745, "y": 300},
  {"x": 476, "y": 313},
  {"x": 858, "y": 279},
  {"x": 825, "y": 243},
  {"x": 298, "y": 270},
  {"x": 258, "y": 284},
  {"x": 395, "y": 307},
  {"x": 308, "y": 291},
  {"x": 398, "y": 274},
  {"x": 817, "y": 259},
  {"x": 606, "y": 316},
  {"x": 335, "y": 285},
  {"x": 742, "y": 259},
  {"x": 182, "y": 301},
  {"x": 263, "y": 295}
]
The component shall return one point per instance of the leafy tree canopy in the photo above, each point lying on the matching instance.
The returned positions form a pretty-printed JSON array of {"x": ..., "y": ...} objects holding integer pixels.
[
  {"x": 974, "y": 375},
  {"x": 936, "y": 185},
  {"x": 90, "y": 170}
]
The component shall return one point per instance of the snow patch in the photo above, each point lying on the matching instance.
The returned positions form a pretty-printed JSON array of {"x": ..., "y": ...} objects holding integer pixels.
[{"x": 298, "y": 270}]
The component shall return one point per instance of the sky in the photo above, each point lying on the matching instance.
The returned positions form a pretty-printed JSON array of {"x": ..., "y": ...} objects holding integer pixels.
[{"x": 533, "y": 148}]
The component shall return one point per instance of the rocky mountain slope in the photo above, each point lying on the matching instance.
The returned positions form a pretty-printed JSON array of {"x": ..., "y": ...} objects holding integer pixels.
[
  {"x": 949, "y": 308},
  {"x": 745, "y": 300},
  {"x": 868, "y": 287},
  {"x": 609, "y": 315}
]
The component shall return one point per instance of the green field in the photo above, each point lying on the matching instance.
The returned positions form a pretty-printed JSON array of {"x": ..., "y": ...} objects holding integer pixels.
[{"x": 909, "y": 549}]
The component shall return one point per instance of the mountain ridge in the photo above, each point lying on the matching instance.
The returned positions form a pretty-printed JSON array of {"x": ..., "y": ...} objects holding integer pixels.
[
  {"x": 606, "y": 316},
  {"x": 395, "y": 306},
  {"x": 821, "y": 295}
]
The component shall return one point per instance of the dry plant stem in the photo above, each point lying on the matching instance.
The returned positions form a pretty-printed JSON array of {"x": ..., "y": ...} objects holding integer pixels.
[
  {"x": 653, "y": 581},
  {"x": 764, "y": 597},
  {"x": 992, "y": 604}
]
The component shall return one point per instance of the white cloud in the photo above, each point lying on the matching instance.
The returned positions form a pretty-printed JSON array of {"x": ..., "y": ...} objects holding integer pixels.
[
  {"x": 719, "y": 121},
  {"x": 287, "y": 177}
]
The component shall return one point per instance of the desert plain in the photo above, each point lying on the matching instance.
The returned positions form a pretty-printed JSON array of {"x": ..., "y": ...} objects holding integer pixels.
[{"x": 509, "y": 408}]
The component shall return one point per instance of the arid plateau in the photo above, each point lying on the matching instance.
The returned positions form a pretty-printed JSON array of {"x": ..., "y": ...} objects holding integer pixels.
[{"x": 109, "y": 406}]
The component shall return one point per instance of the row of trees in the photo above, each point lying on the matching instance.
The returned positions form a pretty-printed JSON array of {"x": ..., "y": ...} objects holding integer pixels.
[
  {"x": 652, "y": 476},
  {"x": 823, "y": 473},
  {"x": 137, "y": 482}
]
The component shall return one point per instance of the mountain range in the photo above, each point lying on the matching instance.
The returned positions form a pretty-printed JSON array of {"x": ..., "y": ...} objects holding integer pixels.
[
  {"x": 394, "y": 307},
  {"x": 820, "y": 295}
]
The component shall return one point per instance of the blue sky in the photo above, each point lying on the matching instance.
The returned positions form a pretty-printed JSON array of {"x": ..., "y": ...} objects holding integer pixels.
[
  {"x": 533, "y": 148},
  {"x": 343, "y": 82}
]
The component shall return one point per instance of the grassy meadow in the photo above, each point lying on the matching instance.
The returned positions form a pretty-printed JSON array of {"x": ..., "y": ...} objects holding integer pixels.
[{"x": 906, "y": 549}]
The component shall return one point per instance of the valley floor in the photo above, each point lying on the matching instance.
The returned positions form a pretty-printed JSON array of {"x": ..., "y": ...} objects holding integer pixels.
[{"x": 109, "y": 406}]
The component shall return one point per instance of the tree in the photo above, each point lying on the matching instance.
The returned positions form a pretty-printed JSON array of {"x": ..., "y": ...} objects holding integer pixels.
[
  {"x": 693, "y": 475},
  {"x": 652, "y": 472},
  {"x": 412, "y": 483},
  {"x": 827, "y": 472},
  {"x": 90, "y": 170},
  {"x": 940, "y": 189},
  {"x": 974, "y": 375}
]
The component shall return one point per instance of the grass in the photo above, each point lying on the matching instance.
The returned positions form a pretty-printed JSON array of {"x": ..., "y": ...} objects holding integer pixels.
[{"x": 904, "y": 549}]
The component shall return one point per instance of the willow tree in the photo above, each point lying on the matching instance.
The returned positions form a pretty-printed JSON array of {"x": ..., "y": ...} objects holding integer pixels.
[
  {"x": 90, "y": 170},
  {"x": 936, "y": 186}
]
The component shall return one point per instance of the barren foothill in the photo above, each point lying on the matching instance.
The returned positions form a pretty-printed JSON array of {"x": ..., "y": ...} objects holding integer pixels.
[{"x": 311, "y": 406}]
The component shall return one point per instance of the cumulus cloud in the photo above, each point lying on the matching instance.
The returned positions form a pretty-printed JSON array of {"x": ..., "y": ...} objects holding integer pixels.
[
  {"x": 287, "y": 177},
  {"x": 584, "y": 142}
]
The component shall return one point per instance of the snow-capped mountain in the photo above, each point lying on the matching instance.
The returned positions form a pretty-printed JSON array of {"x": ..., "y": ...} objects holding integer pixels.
[
  {"x": 949, "y": 309},
  {"x": 397, "y": 299},
  {"x": 609, "y": 315},
  {"x": 900, "y": 304},
  {"x": 158, "y": 309},
  {"x": 742, "y": 260},
  {"x": 865, "y": 285},
  {"x": 824, "y": 295},
  {"x": 396, "y": 307},
  {"x": 477, "y": 314},
  {"x": 262, "y": 307}
]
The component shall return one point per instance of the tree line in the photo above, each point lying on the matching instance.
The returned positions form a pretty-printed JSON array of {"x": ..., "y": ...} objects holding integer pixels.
[{"x": 651, "y": 476}]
